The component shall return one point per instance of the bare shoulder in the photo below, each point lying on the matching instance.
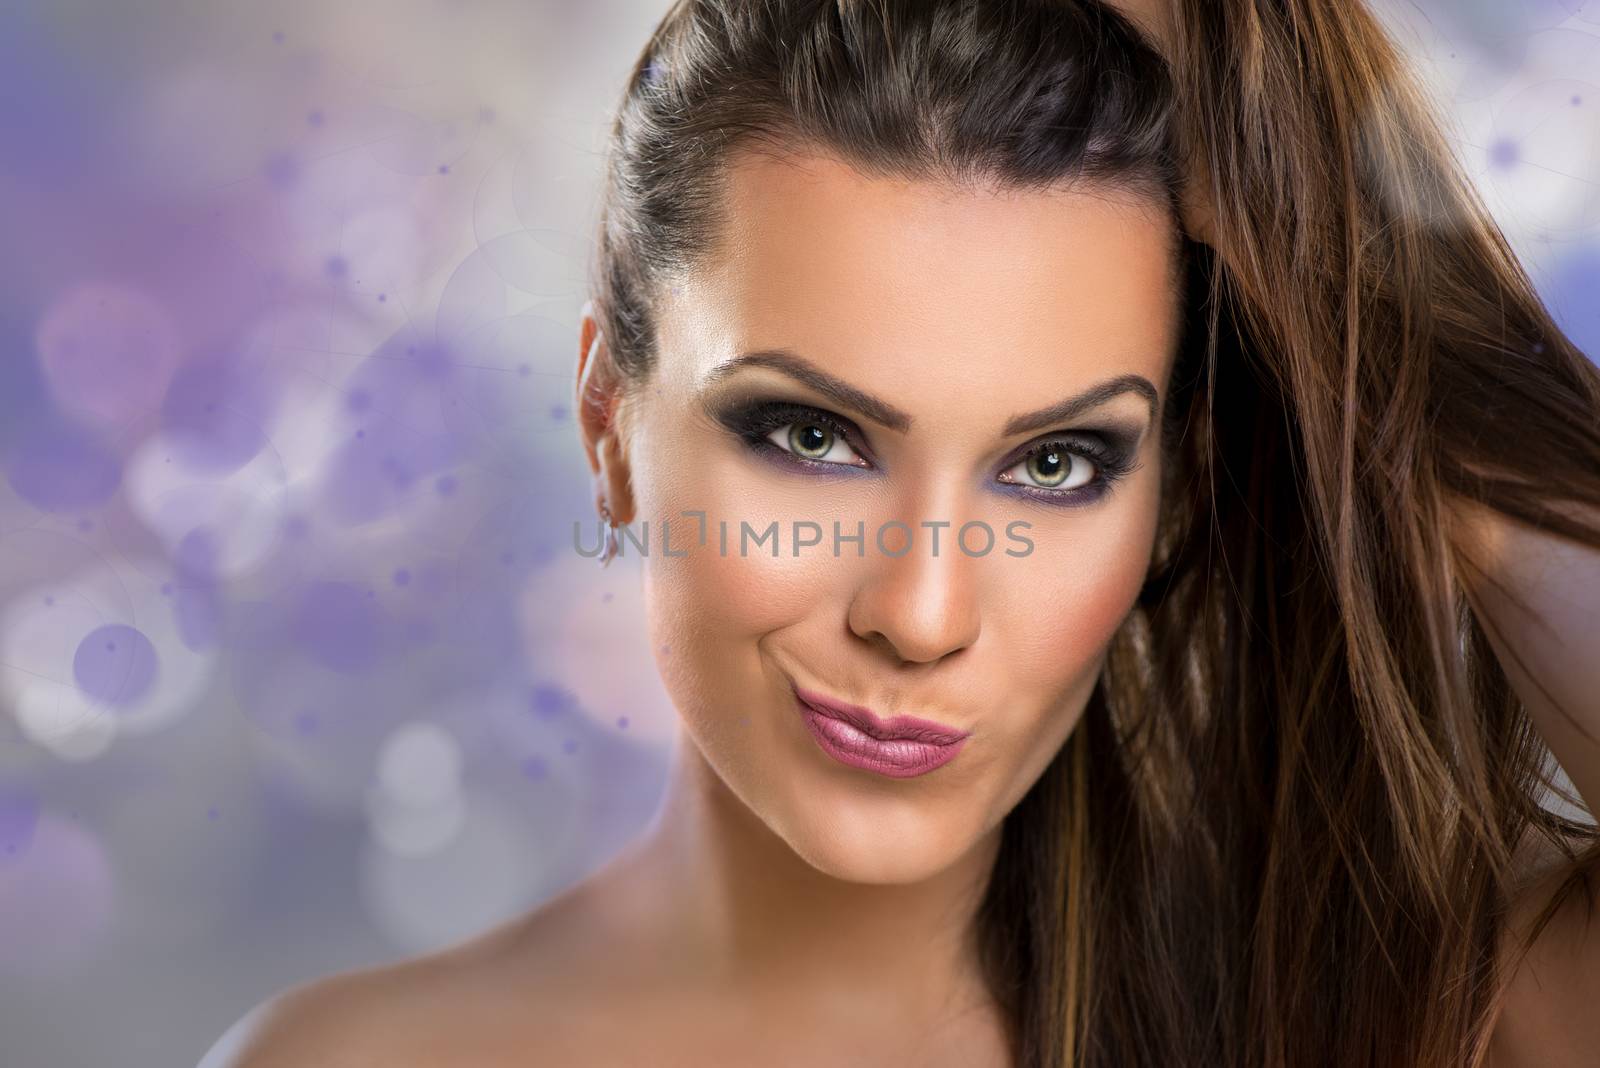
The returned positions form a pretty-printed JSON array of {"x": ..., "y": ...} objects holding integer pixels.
[
  {"x": 340, "y": 1020},
  {"x": 491, "y": 1001},
  {"x": 1549, "y": 1018}
]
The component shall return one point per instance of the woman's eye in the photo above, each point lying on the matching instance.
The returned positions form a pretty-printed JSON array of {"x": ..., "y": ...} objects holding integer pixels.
[
  {"x": 1054, "y": 468},
  {"x": 814, "y": 441}
]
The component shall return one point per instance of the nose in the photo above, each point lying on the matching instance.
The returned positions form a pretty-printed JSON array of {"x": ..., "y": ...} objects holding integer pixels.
[{"x": 918, "y": 606}]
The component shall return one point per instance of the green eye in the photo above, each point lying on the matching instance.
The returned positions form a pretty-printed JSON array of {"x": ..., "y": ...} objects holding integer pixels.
[
  {"x": 1054, "y": 467},
  {"x": 810, "y": 440},
  {"x": 816, "y": 442},
  {"x": 1050, "y": 467}
]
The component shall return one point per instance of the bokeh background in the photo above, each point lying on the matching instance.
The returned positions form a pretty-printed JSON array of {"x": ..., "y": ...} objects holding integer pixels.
[{"x": 299, "y": 670}]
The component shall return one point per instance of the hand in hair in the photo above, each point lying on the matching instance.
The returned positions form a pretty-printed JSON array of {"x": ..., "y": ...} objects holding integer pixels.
[
  {"x": 1536, "y": 593},
  {"x": 1154, "y": 18}
]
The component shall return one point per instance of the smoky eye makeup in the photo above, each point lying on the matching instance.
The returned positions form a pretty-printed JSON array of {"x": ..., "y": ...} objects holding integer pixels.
[
  {"x": 816, "y": 439},
  {"x": 1067, "y": 467},
  {"x": 1074, "y": 467}
]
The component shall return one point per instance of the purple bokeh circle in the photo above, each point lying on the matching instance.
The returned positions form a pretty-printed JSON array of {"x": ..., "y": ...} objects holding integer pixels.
[{"x": 115, "y": 664}]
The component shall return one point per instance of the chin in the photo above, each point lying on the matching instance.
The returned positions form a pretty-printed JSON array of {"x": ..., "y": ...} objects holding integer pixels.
[
  {"x": 877, "y": 841},
  {"x": 887, "y": 864}
]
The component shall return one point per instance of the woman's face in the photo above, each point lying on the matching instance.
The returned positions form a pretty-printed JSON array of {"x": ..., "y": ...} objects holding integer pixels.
[{"x": 863, "y": 351}]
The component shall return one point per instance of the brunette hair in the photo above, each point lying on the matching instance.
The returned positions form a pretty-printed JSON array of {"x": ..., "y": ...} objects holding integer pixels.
[{"x": 1283, "y": 833}]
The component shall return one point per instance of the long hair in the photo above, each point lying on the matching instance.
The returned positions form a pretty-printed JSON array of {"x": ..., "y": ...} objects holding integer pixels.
[{"x": 1283, "y": 833}]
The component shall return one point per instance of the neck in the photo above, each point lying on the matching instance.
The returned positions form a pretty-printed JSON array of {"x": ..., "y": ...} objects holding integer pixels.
[{"x": 735, "y": 902}]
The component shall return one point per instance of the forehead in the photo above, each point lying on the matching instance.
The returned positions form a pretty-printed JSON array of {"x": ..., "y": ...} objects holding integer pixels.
[{"x": 918, "y": 280}]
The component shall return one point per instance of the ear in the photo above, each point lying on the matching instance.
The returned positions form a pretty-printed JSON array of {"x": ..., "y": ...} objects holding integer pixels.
[{"x": 599, "y": 398}]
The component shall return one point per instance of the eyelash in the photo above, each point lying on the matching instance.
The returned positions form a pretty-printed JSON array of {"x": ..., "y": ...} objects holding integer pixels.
[{"x": 755, "y": 422}]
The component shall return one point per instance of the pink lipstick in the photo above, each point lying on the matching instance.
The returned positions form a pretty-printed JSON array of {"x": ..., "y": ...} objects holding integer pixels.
[{"x": 901, "y": 747}]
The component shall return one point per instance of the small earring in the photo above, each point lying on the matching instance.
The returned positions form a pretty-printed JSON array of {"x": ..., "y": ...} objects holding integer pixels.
[{"x": 609, "y": 551}]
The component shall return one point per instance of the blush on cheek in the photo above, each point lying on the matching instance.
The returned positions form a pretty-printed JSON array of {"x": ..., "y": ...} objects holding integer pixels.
[
  {"x": 734, "y": 596},
  {"x": 1069, "y": 599},
  {"x": 709, "y": 615},
  {"x": 1077, "y": 622}
]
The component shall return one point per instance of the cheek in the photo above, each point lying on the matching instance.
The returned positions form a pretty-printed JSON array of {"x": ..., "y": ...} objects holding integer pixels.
[
  {"x": 1063, "y": 625},
  {"x": 1065, "y": 602},
  {"x": 710, "y": 609},
  {"x": 1054, "y": 618}
]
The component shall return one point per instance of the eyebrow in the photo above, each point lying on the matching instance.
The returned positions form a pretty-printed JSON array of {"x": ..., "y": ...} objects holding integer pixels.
[{"x": 885, "y": 414}]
